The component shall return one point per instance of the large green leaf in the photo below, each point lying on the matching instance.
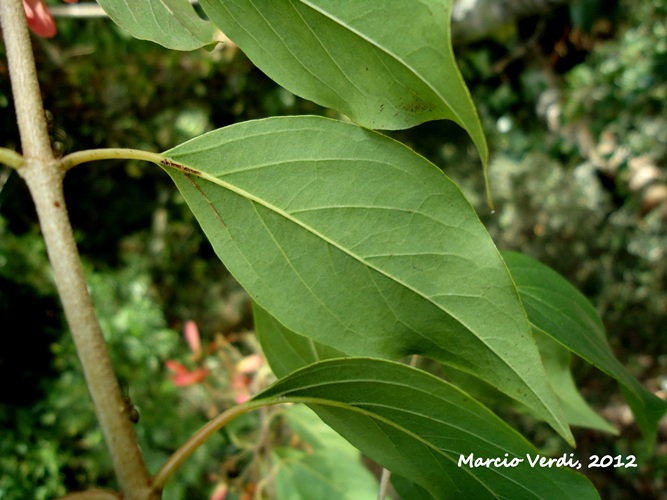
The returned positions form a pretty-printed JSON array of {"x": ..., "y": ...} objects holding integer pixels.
[
  {"x": 171, "y": 23},
  {"x": 352, "y": 239},
  {"x": 420, "y": 427},
  {"x": 287, "y": 351},
  {"x": 387, "y": 65},
  {"x": 555, "y": 307}
]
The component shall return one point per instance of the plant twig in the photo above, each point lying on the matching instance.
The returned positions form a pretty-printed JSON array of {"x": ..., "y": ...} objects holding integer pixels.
[
  {"x": 93, "y": 495},
  {"x": 188, "y": 448},
  {"x": 11, "y": 158},
  {"x": 44, "y": 178},
  {"x": 384, "y": 484},
  {"x": 74, "y": 159}
]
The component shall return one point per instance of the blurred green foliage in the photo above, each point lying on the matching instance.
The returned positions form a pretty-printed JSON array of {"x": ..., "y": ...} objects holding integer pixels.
[
  {"x": 150, "y": 269},
  {"x": 572, "y": 205}
]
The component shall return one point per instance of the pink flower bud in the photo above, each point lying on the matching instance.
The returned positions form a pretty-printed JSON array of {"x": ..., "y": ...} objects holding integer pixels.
[
  {"x": 191, "y": 334},
  {"x": 39, "y": 18},
  {"x": 219, "y": 492}
]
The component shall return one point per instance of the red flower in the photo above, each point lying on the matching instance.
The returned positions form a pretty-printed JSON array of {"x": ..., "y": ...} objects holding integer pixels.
[
  {"x": 182, "y": 376},
  {"x": 241, "y": 376},
  {"x": 40, "y": 20}
]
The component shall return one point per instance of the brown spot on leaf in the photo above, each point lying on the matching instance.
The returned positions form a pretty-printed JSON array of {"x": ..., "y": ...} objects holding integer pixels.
[{"x": 417, "y": 106}]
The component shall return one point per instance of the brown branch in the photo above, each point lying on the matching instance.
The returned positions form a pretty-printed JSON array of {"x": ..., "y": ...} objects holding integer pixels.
[{"x": 44, "y": 178}]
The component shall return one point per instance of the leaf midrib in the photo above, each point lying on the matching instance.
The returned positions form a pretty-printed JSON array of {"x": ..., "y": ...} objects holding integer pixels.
[
  {"x": 255, "y": 199},
  {"x": 309, "y": 400},
  {"x": 396, "y": 57}
]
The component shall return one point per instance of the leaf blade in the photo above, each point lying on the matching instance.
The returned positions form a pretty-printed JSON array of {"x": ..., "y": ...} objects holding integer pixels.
[
  {"x": 171, "y": 23},
  {"x": 285, "y": 350},
  {"x": 556, "y": 360},
  {"x": 357, "y": 58},
  {"x": 353, "y": 240},
  {"x": 418, "y": 426},
  {"x": 555, "y": 307}
]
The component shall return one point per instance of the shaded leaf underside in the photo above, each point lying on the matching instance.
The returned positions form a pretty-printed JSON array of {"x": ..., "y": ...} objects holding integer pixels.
[
  {"x": 361, "y": 58},
  {"x": 558, "y": 309},
  {"x": 352, "y": 239},
  {"x": 171, "y": 23},
  {"x": 418, "y": 426}
]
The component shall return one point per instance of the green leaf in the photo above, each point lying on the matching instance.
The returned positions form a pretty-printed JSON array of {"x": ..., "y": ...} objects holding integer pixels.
[
  {"x": 408, "y": 489},
  {"x": 285, "y": 350},
  {"x": 386, "y": 66},
  {"x": 171, "y": 23},
  {"x": 556, "y": 360},
  {"x": 419, "y": 426},
  {"x": 330, "y": 469},
  {"x": 353, "y": 240},
  {"x": 555, "y": 307}
]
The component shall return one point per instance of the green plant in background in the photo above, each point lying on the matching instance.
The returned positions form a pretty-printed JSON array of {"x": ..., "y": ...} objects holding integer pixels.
[{"x": 350, "y": 244}]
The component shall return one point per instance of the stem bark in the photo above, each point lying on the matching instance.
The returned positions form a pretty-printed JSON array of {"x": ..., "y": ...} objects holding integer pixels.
[{"x": 44, "y": 178}]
